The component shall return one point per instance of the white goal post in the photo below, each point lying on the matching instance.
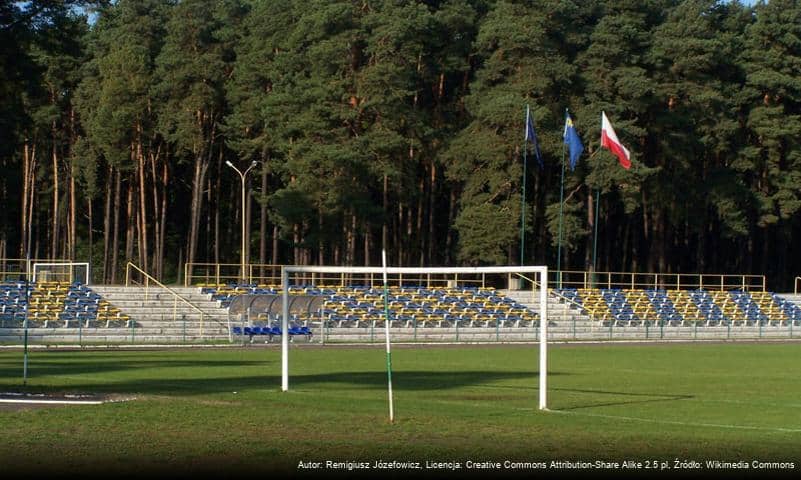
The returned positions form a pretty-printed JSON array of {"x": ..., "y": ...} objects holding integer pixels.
[
  {"x": 542, "y": 272},
  {"x": 64, "y": 272}
]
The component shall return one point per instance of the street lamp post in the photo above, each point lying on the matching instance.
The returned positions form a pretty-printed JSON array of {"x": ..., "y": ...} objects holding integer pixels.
[{"x": 244, "y": 209}]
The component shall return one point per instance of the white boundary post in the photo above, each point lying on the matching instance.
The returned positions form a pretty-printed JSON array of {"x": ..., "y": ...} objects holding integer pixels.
[
  {"x": 544, "y": 339},
  {"x": 543, "y": 271},
  {"x": 285, "y": 329},
  {"x": 386, "y": 329}
]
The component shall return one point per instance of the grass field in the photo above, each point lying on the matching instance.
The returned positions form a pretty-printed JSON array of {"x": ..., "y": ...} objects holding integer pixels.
[{"x": 221, "y": 410}]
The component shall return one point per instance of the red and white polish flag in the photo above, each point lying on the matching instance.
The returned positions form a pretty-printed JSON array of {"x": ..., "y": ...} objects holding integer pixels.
[{"x": 609, "y": 140}]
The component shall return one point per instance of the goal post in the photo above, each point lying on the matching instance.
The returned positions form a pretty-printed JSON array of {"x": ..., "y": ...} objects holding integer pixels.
[
  {"x": 62, "y": 272},
  {"x": 304, "y": 272}
]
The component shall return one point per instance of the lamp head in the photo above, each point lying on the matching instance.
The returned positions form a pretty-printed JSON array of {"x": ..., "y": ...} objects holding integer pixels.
[{"x": 228, "y": 162}]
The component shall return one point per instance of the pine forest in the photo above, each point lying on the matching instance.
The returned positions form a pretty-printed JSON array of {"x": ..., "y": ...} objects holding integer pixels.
[{"x": 399, "y": 125}]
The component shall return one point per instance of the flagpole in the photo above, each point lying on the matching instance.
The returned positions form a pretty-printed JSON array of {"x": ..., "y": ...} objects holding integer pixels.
[
  {"x": 595, "y": 227},
  {"x": 523, "y": 208},
  {"x": 523, "y": 197},
  {"x": 561, "y": 206},
  {"x": 595, "y": 239}
]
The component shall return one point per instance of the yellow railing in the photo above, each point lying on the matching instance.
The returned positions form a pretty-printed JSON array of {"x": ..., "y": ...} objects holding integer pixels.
[
  {"x": 666, "y": 281},
  {"x": 222, "y": 273},
  {"x": 263, "y": 274},
  {"x": 21, "y": 268},
  {"x": 148, "y": 279}
]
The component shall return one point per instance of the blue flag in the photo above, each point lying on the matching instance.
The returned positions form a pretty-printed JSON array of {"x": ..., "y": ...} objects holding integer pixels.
[
  {"x": 531, "y": 136},
  {"x": 572, "y": 141}
]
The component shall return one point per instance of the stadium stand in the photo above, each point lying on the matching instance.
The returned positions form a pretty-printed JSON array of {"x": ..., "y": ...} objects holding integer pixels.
[
  {"x": 409, "y": 306},
  {"x": 633, "y": 307},
  {"x": 55, "y": 304}
]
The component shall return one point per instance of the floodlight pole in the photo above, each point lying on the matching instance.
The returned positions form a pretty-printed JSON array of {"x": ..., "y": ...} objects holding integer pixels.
[{"x": 244, "y": 209}]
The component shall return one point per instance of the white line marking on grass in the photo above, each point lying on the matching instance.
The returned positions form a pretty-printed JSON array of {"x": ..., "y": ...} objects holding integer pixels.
[
  {"x": 52, "y": 402},
  {"x": 674, "y": 422}
]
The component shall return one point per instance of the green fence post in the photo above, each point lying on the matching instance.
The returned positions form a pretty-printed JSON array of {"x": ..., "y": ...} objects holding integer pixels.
[
  {"x": 791, "y": 327},
  {"x": 497, "y": 330},
  {"x": 574, "y": 328},
  {"x": 80, "y": 334},
  {"x": 133, "y": 331},
  {"x": 183, "y": 319},
  {"x": 760, "y": 329},
  {"x": 372, "y": 331},
  {"x": 414, "y": 320},
  {"x": 695, "y": 330},
  {"x": 661, "y": 329},
  {"x": 728, "y": 331},
  {"x": 457, "y": 330},
  {"x": 647, "y": 325},
  {"x": 611, "y": 325}
]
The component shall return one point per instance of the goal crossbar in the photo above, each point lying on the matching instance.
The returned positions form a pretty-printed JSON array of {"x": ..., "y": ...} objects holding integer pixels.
[{"x": 286, "y": 271}]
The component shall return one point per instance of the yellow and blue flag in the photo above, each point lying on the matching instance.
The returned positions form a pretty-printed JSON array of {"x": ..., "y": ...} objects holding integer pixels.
[{"x": 572, "y": 141}]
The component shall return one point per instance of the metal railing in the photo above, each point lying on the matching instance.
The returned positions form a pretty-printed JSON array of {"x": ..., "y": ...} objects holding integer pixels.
[
  {"x": 21, "y": 268},
  {"x": 665, "y": 281},
  {"x": 222, "y": 273},
  {"x": 148, "y": 279},
  {"x": 198, "y": 274}
]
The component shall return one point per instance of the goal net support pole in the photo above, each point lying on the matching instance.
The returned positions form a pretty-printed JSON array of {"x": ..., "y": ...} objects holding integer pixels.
[{"x": 286, "y": 271}]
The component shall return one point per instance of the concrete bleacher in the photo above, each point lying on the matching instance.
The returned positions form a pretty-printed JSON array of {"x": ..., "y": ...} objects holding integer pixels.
[
  {"x": 56, "y": 305},
  {"x": 633, "y": 307},
  {"x": 116, "y": 314}
]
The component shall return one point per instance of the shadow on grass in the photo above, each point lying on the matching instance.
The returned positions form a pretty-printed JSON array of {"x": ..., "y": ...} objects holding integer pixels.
[
  {"x": 629, "y": 398},
  {"x": 250, "y": 380}
]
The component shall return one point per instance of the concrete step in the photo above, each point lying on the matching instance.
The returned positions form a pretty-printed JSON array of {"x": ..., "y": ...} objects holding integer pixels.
[{"x": 156, "y": 304}]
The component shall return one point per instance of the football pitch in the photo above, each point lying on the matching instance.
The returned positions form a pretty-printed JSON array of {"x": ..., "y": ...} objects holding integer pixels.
[{"x": 459, "y": 409}]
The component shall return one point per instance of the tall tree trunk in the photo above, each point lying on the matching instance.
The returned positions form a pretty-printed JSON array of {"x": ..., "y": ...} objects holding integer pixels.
[
  {"x": 154, "y": 176},
  {"x": 163, "y": 230},
  {"x": 399, "y": 243},
  {"x": 107, "y": 225},
  {"x": 352, "y": 239},
  {"x": 409, "y": 233},
  {"x": 28, "y": 165},
  {"x": 367, "y": 240},
  {"x": 211, "y": 222},
  {"x": 449, "y": 235},
  {"x": 55, "y": 223},
  {"x": 432, "y": 203},
  {"x": 31, "y": 198},
  {"x": 320, "y": 247},
  {"x": 384, "y": 225},
  {"x": 419, "y": 227},
  {"x": 73, "y": 213},
  {"x": 246, "y": 208},
  {"x": 130, "y": 218},
  {"x": 198, "y": 181},
  {"x": 263, "y": 221},
  {"x": 274, "y": 260},
  {"x": 295, "y": 244},
  {"x": 115, "y": 245},
  {"x": 91, "y": 239}
]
